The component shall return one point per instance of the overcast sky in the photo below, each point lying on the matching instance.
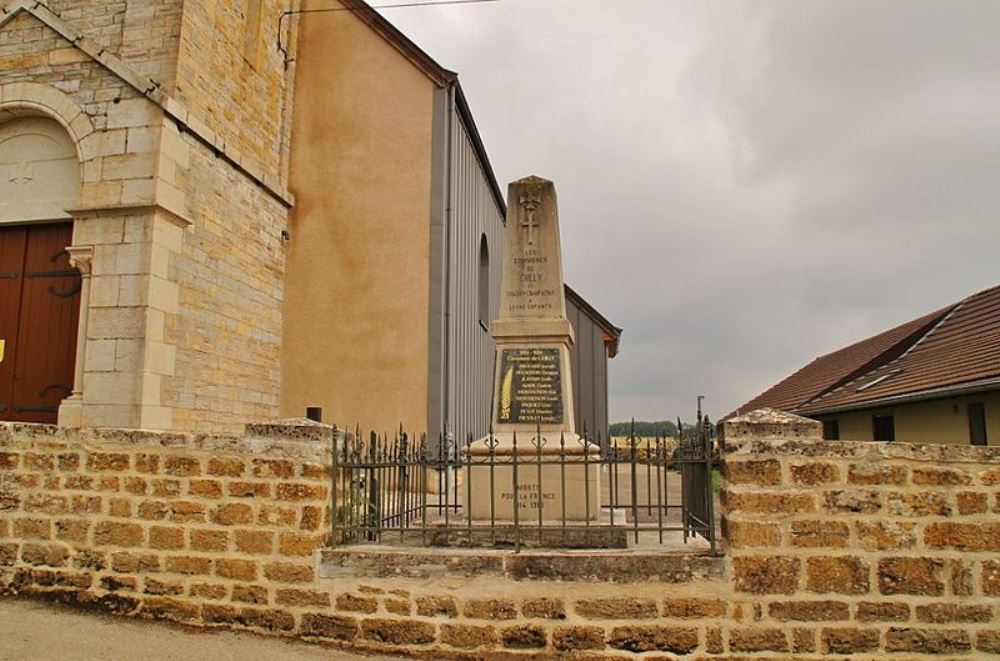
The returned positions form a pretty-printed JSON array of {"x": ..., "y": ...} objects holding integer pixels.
[{"x": 743, "y": 186}]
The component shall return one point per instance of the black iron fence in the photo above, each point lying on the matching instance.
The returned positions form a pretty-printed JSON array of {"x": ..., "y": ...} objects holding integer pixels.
[{"x": 530, "y": 489}]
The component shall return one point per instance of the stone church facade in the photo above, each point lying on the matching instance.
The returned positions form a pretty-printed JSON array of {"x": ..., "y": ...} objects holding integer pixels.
[{"x": 183, "y": 258}]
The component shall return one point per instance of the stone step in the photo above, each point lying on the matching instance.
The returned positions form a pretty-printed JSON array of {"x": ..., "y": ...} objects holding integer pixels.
[{"x": 529, "y": 564}]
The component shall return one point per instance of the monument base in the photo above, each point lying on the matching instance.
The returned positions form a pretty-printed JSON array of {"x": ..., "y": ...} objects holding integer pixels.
[{"x": 551, "y": 485}]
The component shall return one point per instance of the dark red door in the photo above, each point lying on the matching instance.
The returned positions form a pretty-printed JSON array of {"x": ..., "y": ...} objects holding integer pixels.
[{"x": 39, "y": 308}]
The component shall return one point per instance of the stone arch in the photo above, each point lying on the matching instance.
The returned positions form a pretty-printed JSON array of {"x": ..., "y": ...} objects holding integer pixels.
[{"x": 39, "y": 170}]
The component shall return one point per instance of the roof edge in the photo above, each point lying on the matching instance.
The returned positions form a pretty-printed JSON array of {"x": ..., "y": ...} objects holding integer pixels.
[
  {"x": 414, "y": 53},
  {"x": 889, "y": 355},
  {"x": 968, "y": 387},
  {"x": 613, "y": 334}
]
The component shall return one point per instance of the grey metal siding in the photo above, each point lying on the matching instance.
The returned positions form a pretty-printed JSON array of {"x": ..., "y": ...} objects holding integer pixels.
[
  {"x": 474, "y": 212},
  {"x": 589, "y": 363}
]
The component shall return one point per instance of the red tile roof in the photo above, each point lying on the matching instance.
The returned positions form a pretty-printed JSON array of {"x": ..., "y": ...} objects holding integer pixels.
[{"x": 954, "y": 346}]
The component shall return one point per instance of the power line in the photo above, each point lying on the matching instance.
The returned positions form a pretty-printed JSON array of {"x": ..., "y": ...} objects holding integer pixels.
[{"x": 429, "y": 3}]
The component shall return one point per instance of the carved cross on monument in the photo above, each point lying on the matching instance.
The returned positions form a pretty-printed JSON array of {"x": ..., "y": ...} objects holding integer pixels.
[{"x": 530, "y": 203}]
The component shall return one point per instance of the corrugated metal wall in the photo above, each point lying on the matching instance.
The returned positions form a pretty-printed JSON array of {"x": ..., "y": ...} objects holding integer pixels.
[
  {"x": 589, "y": 360},
  {"x": 471, "y": 349}
]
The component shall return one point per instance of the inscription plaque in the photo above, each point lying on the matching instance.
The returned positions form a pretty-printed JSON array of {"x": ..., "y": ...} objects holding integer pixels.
[{"x": 530, "y": 387}]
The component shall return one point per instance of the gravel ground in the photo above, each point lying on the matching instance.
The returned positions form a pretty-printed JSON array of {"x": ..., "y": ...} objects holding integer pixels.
[{"x": 38, "y": 632}]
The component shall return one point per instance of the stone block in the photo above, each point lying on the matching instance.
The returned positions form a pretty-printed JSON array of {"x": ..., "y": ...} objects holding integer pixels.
[
  {"x": 103, "y": 461},
  {"x": 287, "y": 572},
  {"x": 803, "y": 640},
  {"x": 885, "y": 535},
  {"x": 764, "y": 472},
  {"x": 943, "y": 613},
  {"x": 164, "y": 608},
  {"x": 545, "y": 608},
  {"x": 988, "y": 641},
  {"x": 185, "y": 511},
  {"x": 182, "y": 466},
  {"x": 853, "y": 501},
  {"x": 303, "y": 598},
  {"x": 693, "y": 607},
  {"x": 991, "y": 578},
  {"x": 241, "y": 489},
  {"x": 335, "y": 627},
  {"x": 356, "y": 603},
  {"x": 574, "y": 638},
  {"x": 135, "y": 563},
  {"x": 809, "y": 611},
  {"x": 398, "y": 632},
  {"x": 434, "y": 606},
  {"x": 273, "y": 468},
  {"x": 769, "y": 503},
  {"x": 239, "y": 570},
  {"x": 766, "y": 574},
  {"x": 758, "y": 639},
  {"x": 147, "y": 463},
  {"x": 918, "y": 504},
  {"x": 250, "y": 594},
  {"x": 849, "y": 640},
  {"x": 226, "y": 467},
  {"x": 163, "y": 588},
  {"x": 211, "y": 489},
  {"x": 490, "y": 609},
  {"x": 971, "y": 502},
  {"x": 876, "y": 473},
  {"x": 654, "y": 638},
  {"x": 468, "y": 636},
  {"x": 162, "y": 537},
  {"x": 230, "y": 514},
  {"x": 212, "y": 591},
  {"x": 837, "y": 574},
  {"x": 51, "y": 555},
  {"x": 112, "y": 533},
  {"x": 929, "y": 475},
  {"x": 883, "y": 611},
  {"x": 927, "y": 641},
  {"x": 816, "y": 472},
  {"x": 617, "y": 608},
  {"x": 524, "y": 636},
  {"x": 253, "y": 542},
  {"x": 963, "y": 536},
  {"x": 294, "y": 544},
  {"x": 820, "y": 534},
  {"x": 746, "y": 534},
  {"x": 296, "y": 492},
  {"x": 911, "y": 575},
  {"x": 185, "y": 564}
]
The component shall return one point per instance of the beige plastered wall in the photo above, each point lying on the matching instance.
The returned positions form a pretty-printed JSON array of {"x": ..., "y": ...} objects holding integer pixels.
[
  {"x": 356, "y": 310},
  {"x": 934, "y": 421}
]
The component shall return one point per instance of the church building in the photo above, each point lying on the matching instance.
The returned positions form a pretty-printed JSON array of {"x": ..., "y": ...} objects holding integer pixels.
[{"x": 217, "y": 213}]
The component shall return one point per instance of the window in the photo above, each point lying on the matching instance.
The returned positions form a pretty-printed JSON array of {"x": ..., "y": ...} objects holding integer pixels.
[
  {"x": 484, "y": 284},
  {"x": 883, "y": 428},
  {"x": 977, "y": 423},
  {"x": 831, "y": 430}
]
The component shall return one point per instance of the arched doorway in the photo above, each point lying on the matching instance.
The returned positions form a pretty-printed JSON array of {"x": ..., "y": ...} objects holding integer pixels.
[{"x": 39, "y": 290}]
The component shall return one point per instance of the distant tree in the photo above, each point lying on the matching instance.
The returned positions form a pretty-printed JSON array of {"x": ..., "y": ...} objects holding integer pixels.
[{"x": 644, "y": 428}]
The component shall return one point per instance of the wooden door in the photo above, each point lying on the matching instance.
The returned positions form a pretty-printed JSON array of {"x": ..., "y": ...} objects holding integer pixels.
[{"x": 40, "y": 306}]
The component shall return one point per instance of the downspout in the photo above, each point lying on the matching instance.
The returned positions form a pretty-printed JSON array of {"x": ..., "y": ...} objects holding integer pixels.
[{"x": 448, "y": 211}]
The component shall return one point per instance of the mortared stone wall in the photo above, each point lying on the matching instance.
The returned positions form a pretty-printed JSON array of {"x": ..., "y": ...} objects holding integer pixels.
[{"x": 853, "y": 550}]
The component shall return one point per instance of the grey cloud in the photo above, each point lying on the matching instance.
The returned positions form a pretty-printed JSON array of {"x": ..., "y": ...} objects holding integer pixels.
[{"x": 743, "y": 185}]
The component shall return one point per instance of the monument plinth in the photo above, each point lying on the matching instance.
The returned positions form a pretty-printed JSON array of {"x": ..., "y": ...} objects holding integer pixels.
[{"x": 532, "y": 391}]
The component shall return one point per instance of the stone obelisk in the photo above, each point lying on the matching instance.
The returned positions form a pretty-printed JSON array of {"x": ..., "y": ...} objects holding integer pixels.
[{"x": 532, "y": 391}]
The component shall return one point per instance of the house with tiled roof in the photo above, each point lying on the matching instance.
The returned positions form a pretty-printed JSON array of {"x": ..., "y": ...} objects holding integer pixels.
[{"x": 933, "y": 379}]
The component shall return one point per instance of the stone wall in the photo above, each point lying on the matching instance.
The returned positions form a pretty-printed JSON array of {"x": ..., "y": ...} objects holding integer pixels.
[
  {"x": 834, "y": 549},
  {"x": 848, "y": 547}
]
